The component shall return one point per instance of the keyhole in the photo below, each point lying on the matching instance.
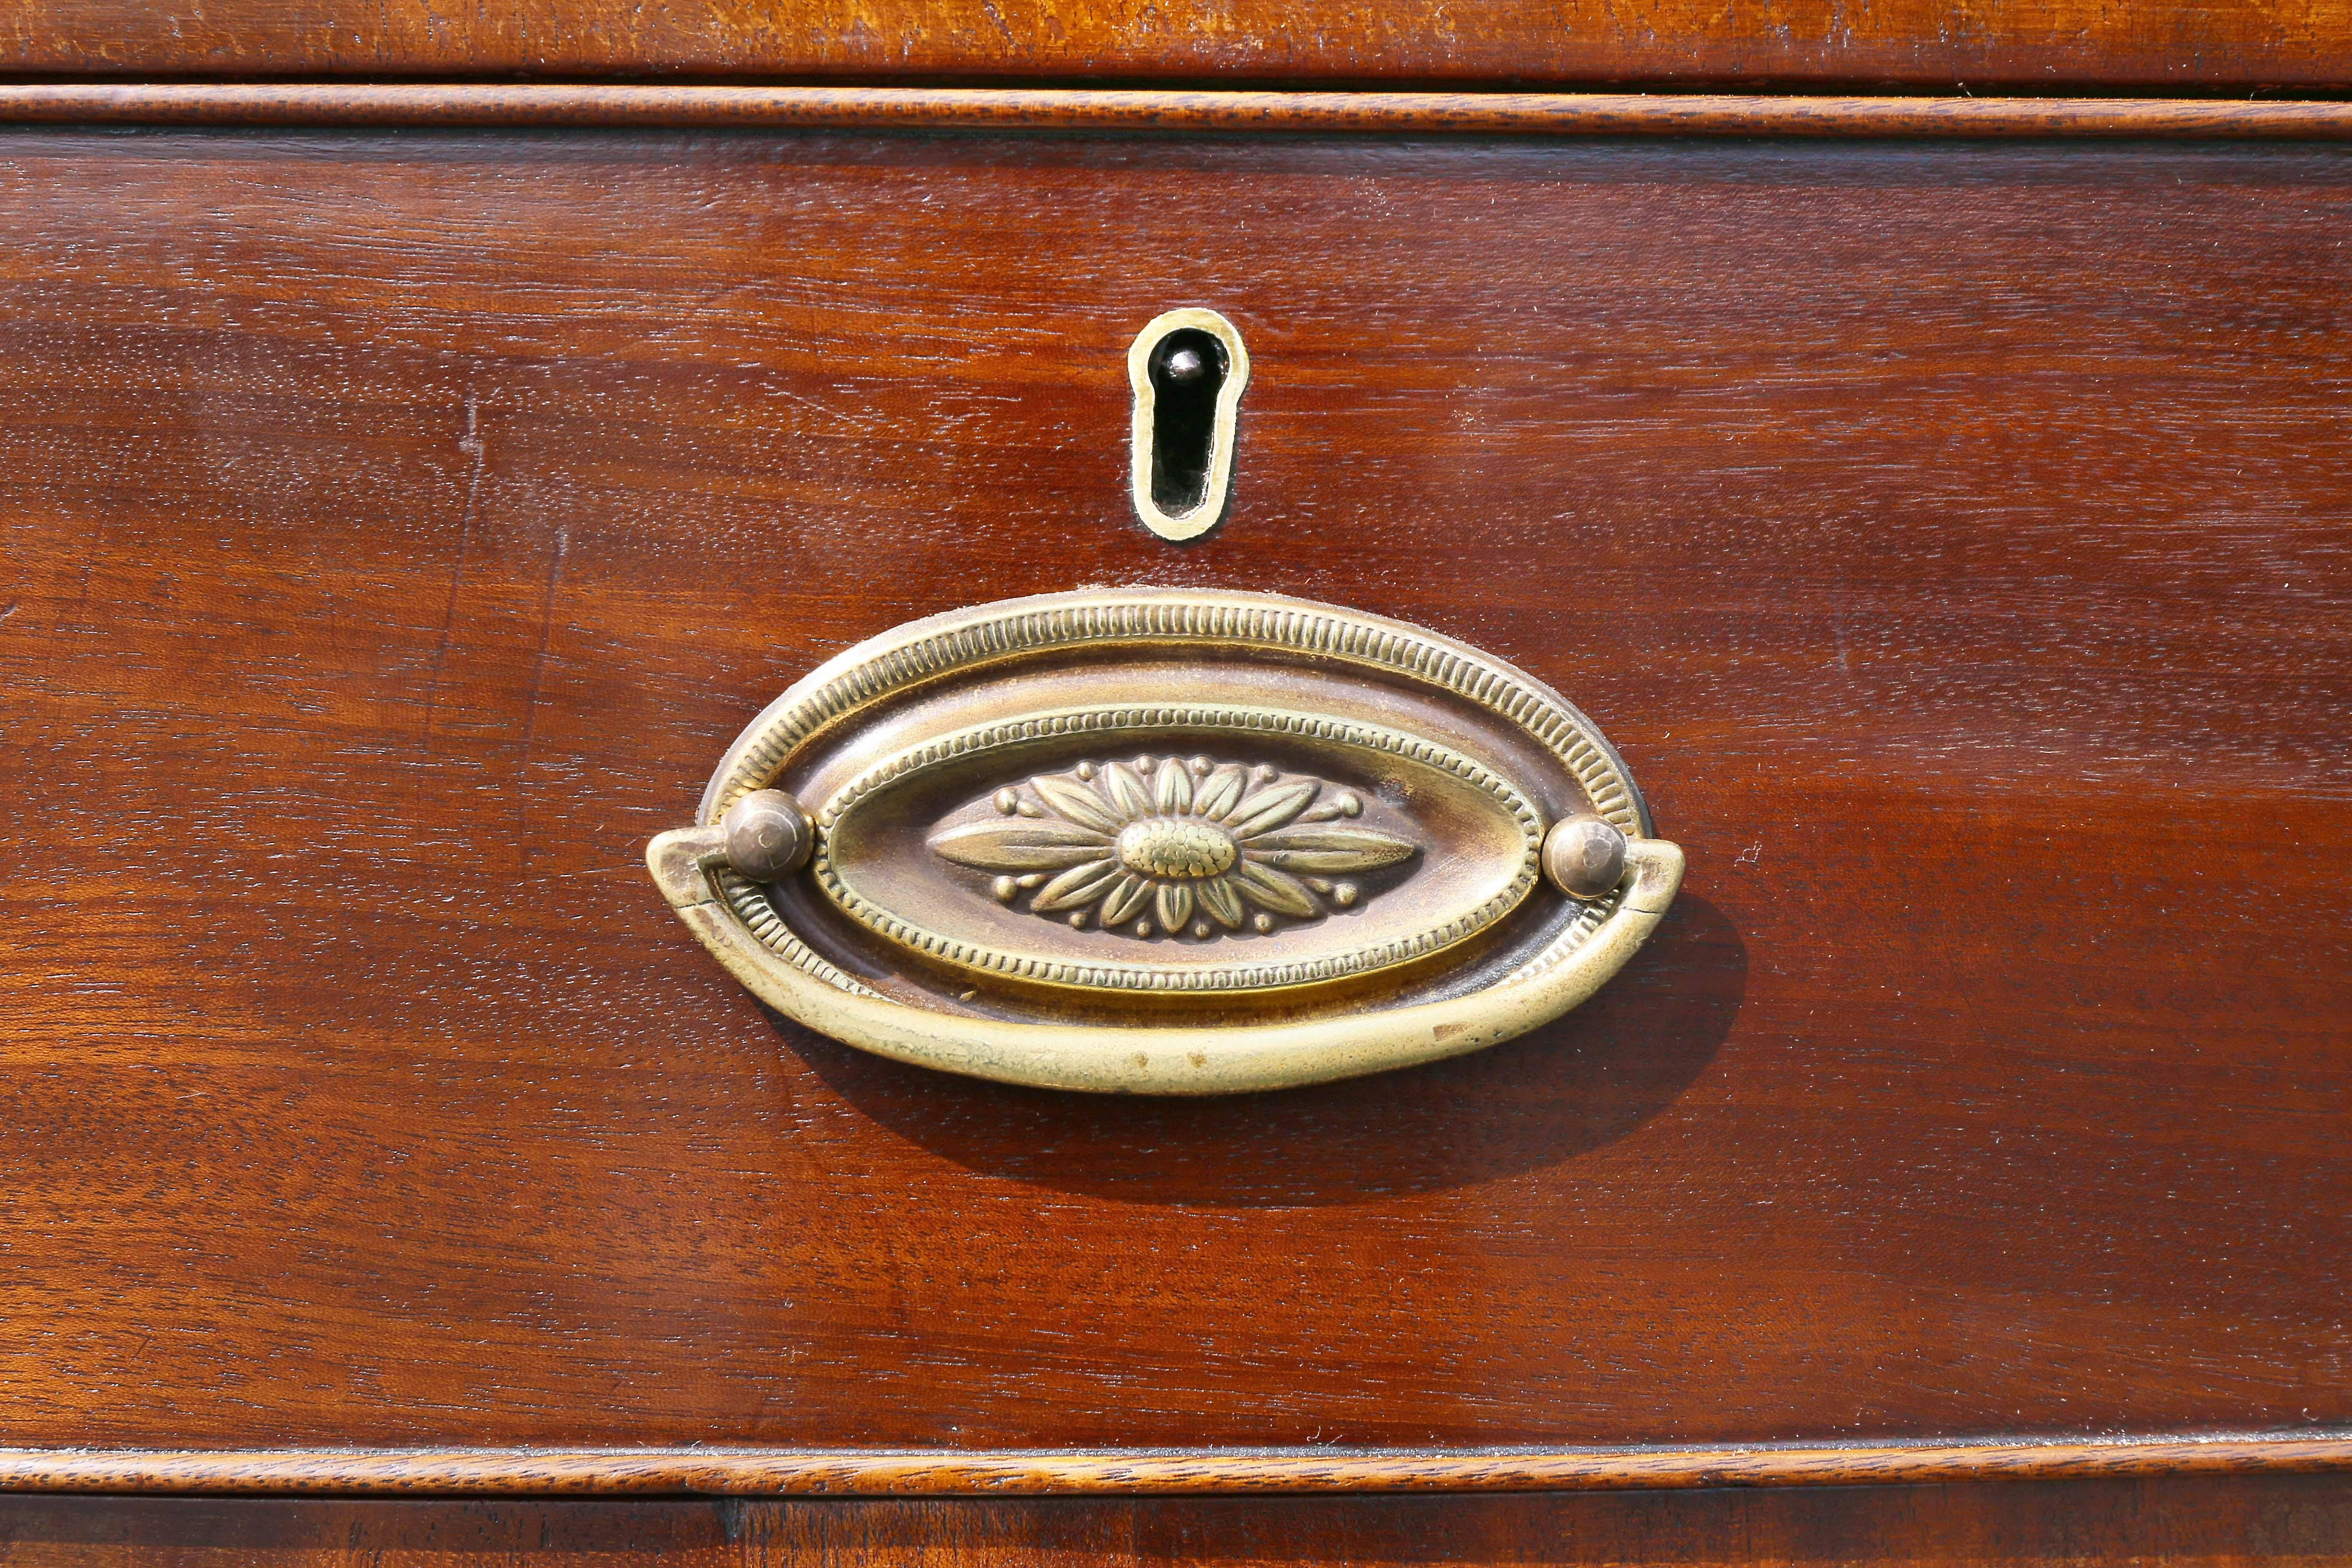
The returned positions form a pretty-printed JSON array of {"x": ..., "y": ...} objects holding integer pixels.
[{"x": 1187, "y": 368}]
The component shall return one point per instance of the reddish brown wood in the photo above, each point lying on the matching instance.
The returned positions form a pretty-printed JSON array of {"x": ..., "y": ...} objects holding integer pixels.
[
  {"x": 399, "y": 528},
  {"x": 1082, "y": 109},
  {"x": 711, "y": 1469},
  {"x": 2035, "y": 44},
  {"x": 2178, "y": 1520}
]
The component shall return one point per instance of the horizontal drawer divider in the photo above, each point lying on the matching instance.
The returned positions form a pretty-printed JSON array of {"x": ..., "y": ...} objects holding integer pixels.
[
  {"x": 851, "y": 1472},
  {"x": 1073, "y": 109}
]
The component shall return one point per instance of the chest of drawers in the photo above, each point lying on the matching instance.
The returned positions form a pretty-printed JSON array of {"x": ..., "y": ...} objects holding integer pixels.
[{"x": 412, "y": 484}]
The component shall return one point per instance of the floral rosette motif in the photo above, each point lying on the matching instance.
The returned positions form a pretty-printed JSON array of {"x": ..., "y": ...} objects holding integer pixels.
[{"x": 1175, "y": 846}]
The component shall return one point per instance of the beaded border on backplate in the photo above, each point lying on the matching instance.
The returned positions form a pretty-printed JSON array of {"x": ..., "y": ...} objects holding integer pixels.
[
  {"x": 1111, "y": 722},
  {"x": 1024, "y": 627}
]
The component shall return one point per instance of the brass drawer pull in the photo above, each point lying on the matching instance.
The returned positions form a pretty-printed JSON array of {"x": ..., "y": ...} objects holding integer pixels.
[{"x": 1169, "y": 841}]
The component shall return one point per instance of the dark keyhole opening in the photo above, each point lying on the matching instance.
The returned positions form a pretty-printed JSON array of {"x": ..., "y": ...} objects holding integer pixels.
[{"x": 1188, "y": 369}]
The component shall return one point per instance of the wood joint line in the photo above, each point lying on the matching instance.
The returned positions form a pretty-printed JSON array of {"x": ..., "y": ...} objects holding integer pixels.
[
  {"x": 567, "y": 105},
  {"x": 854, "y": 1472}
]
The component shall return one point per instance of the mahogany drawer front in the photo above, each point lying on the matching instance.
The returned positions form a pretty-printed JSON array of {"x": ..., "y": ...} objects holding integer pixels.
[
  {"x": 2207, "y": 1520},
  {"x": 1953, "y": 538},
  {"x": 2179, "y": 46}
]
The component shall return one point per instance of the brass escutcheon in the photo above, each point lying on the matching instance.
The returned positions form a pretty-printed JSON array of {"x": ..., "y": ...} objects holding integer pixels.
[{"x": 1188, "y": 370}]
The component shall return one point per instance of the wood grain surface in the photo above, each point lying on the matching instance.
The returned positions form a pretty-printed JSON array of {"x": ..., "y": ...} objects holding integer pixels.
[
  {"x": 756, "y": 1471},
  {"x": 2039, "y": 44},
  {"x": 2184, "y": 1519},
  {"x": 588, "y": 104},
  {"x": 399, "y": 525}
]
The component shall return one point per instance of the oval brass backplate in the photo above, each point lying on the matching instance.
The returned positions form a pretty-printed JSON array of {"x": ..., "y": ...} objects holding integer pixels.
[{"x": 1169, "y": 841}]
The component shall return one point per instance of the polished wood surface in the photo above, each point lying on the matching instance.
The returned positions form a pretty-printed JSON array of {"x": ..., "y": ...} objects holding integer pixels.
[
  {"x": 770, "y": 1469},
  {"x": 585, "y": 104},
  {"x": 1952, "y": 538},
  {"x": 2105, "y": 1524},
  {"x": 2034, "y": 44}
]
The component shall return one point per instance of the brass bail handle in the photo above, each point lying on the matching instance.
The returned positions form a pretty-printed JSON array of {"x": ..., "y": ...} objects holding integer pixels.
[{"x": 1018, "y": 842}]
